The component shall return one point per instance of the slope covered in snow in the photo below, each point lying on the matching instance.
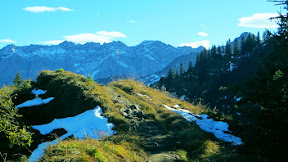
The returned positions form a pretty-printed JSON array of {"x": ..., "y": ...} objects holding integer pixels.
[
  {"x": 88, "y": 124},
  {"x": 218, "y": 128}
]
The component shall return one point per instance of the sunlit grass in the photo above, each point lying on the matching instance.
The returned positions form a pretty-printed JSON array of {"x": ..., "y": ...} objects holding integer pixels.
[{"x": 94, "y": 150}]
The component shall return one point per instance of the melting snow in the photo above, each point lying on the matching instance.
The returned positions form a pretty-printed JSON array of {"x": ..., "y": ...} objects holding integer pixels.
[
  {"x": 35, "y": 102},
  {"x": 237, "y": 99},
  {"x": 176, "y": 106},
  {"x": 183, "y": 98},
  {"x": 232, "y": 66},
  {"x": 38, "y": 91},
  {"x": 143, "y": 96},
  {"x": 90, "y": 123},
  {"x": 218, "y": 128}
]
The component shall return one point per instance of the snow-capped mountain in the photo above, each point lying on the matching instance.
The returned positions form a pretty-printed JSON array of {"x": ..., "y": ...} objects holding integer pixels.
[{"x": 98, "y": 60}]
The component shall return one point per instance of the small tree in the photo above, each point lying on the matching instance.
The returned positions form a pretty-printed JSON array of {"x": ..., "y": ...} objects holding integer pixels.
[
  {"x": 18, "y": 81},
  {"x": 219, "y": 50},
  {"x": 182, "y": 70},
  {"x": 171, "y": 73},
  {"x": 190, "y": 66},
  {"x": 243, "y": 50},
  {"x": 236, "y": 47},
  {"x": 228, "y": 48}
]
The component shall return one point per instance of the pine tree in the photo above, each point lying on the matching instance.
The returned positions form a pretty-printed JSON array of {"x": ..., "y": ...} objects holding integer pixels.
[
  {"x": 268, "y": 90},
  {"x": 190, "y": 66},
  {"x": 18, "y": 81},
  {"x": 176, "y": 73},
  {"x": 243, "y": 45},
  {"x": 171, "y": 73},
  {"x": 182, "y": 70},
  {"x": 219, "y": 50},
  {"x": 228, "y": 48},
  {"x": 213, "y": 50},
  {"x": 236, "y": 50},
  {"x": 258, "y": 40}
]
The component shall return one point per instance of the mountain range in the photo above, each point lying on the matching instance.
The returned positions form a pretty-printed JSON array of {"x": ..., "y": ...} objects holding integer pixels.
[{"x": 99, "y": 61}]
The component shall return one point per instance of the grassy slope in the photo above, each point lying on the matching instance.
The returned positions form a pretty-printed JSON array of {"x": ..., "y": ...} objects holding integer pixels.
[{"x": 150, "y": 129}]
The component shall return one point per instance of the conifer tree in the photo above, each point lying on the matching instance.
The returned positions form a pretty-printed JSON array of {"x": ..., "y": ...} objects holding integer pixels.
[
  {"x": 182, "y": 70},
  {"x": 190, "y": 66},
  {"x": 171, "y": 73},
  {"x": 18, "y": 81},
  {"x": 228, "y": 48},
  {"x": 213, "y": 50},
  {"x": 176, "y": 73},
  {"x": 236, "y": 50},
  {"x": 258, "y": 40},
  {"x": 243, "y": 45},
  {"x": 219, "y": 50}
]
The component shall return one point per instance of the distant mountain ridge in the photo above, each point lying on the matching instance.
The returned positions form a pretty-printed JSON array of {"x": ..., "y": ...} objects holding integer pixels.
[{"x": 100, "y": 61}]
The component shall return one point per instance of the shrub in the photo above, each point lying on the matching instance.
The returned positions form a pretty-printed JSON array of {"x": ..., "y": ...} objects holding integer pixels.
[
  {"x": 14, "y": 135},
  {"x": 59, "y": 70}
]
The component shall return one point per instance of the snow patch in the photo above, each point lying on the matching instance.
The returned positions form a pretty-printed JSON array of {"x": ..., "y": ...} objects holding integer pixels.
[
  {"x": 176, "y": 106},
  {"x": 218, "y": 128},
  {"x": 237, "y": 99},
  {"x": 183, "y": 98},
  {"x": 90, "y": 123},
  {"x": 38, "y": 91},
  {"x": 144, "y": 96},
  {"x": 35, "y": 102},
  {"x": 231, "y": 66}
]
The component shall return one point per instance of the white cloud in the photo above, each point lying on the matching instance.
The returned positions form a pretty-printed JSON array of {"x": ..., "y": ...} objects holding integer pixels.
[
  {"x": 46, "y": 9},
  {"x": 52, "y": 42},
  {"x": 88, "y": 37},
  {"x": 7, "y": 41},
  {"x": 204, "y": 43},
  {"x": 100, "y": 37},
  {"x": 203, "y": 34},
  {"x": 64, "y": 9},
  {"x": 259, "y": 20},
  {"x": 132, "y": 21},
  {"x": 111, "y": 34}
]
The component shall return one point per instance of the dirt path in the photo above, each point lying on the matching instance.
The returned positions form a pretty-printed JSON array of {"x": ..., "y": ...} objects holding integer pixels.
[{"x": 154, "y": 138}]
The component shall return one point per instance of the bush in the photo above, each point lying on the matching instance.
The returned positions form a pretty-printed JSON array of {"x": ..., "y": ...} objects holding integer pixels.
[
  {"x": 13, "y": 135},
  {"x": 59, "y": 70}
]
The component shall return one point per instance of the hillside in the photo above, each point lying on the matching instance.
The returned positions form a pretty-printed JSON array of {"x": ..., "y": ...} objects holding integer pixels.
[
  {"x": 215, "y": 70},
  {"x": 148, "y": 124},
  {"x": 99, "y": 61},
  {"x": 248, "y": 81}
]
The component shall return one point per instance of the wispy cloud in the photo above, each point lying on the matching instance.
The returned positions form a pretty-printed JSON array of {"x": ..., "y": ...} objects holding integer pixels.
[
  {"x": 111, "y": 34},
  {"x": 259, "y": 20},
  {"x": 100, "y": 37},
  {"x": 204, "y": 43},
  {"x": 203, "y": 34},
  {"x": 7, "y": 41},
  {"x": 46, "y": 9},
  {"x": 52, "y": 42},
  {"x": 132, "y": 21}
]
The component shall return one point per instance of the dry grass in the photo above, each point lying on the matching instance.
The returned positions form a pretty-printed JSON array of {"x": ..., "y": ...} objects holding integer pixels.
[{"x": 94, "y": 150}]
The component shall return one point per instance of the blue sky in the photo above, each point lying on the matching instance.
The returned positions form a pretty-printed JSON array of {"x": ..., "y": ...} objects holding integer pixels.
[{"x": 175, "y": 22}]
